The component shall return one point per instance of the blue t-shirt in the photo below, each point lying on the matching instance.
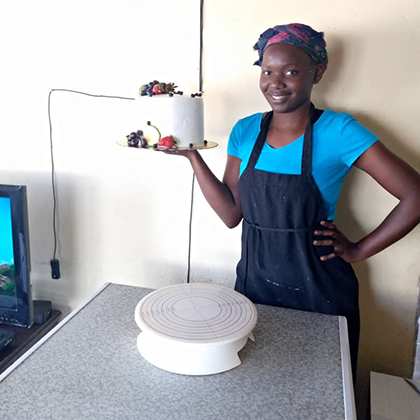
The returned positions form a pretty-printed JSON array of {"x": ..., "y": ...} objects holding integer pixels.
[{"x": 338, "y": 140}]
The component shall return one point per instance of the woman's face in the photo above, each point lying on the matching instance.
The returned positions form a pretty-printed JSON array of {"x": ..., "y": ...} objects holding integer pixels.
[{"x": 287, "y": 77}]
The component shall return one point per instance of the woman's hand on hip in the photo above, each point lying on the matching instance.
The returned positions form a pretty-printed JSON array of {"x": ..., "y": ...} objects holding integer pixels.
[{"x": 343, "y": 247}]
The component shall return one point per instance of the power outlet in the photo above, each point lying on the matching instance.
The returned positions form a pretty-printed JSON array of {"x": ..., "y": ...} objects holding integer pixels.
[{"x": 55, "y": 269}]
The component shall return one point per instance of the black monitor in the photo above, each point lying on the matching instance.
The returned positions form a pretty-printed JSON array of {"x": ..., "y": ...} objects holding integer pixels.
[{"x": 15, "y": 265}]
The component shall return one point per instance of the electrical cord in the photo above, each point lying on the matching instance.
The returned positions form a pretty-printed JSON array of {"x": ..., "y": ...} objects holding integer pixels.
[
  {"x": 200, "y": 89},
  {"x": 53, "y": 183}
]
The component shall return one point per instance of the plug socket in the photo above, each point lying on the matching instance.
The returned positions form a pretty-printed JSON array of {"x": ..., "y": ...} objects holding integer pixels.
[{"x": 55, "y": 269}]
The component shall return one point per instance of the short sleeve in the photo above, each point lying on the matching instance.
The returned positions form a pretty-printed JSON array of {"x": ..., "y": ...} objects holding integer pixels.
[
  {"x": 355, "y": 140},
  {"x": 233, "y": 144}
]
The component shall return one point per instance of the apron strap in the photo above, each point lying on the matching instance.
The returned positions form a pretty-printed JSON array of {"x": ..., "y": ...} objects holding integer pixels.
[
  {"x": 314, "y": 115},
  {"x": 259, "y": 144},
  {"x": 307, "y": 140},
  {"x": 307, "y": 146}
]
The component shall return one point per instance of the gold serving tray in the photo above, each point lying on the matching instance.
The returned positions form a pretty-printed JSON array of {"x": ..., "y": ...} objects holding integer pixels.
[{"x": 209, "y": 145}]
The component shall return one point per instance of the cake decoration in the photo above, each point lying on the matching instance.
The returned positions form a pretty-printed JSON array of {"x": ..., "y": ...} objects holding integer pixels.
[
  {"x": 171, "y": 120},
  {"x": 157, "y": 88},
  {"x": 150, "y": 138},
  {"x": 167, "y": 141}
]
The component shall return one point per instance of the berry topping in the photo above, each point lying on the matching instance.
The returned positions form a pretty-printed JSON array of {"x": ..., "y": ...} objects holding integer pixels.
[
  {"x": 167, "y": 141},
  {"x": 155, "y": 146},
  {"x": 192, "y": 95},
  {"x": 133, "y": 142},
  {"x": 191, "y": 145},
  {"x": 158, "y": 89},
  {"x": 205, "y": 142},
  {"x": 148, "y": 123}
]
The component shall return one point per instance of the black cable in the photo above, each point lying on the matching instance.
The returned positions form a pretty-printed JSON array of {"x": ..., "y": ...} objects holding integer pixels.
[
  {"x": 90, "y": 94},
  {"x": 52, "y": 153},
  {"x": 190, "y": 230},
  {"x": 200, "y": 89},
  {"x": 52, "y": 176},
  {"x": 200, "y": 68}
]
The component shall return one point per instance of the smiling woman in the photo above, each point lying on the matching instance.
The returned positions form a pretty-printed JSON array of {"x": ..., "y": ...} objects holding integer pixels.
[
  {"x": 286, "y": 81},
  {"x": 283, "y": 176}
]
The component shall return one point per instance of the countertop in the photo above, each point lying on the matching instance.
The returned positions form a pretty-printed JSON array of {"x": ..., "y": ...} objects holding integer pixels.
[{"x": 89, "y": 368}]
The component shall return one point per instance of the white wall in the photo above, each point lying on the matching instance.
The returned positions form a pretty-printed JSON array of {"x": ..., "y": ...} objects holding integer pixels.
[{"x": 123, "y": 214}]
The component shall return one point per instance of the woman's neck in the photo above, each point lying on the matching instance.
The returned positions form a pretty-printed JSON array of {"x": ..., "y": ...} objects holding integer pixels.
[
  {"x": 292, "y": 121},
  {"x": 286, "y": 128}
]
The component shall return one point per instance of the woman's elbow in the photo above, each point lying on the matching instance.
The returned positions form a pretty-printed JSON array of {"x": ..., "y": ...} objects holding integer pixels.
[{"x": 232, "y": 222}]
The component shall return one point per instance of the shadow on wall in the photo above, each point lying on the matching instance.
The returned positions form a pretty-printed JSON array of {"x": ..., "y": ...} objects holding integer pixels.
[
  {"x": 379, "y": 350},
  {"x": 341, "y": 62},
  {"x": 110, "y": 229},
  {"x": 40, "y": 209},
  {"x": 71, "y": 249},
  {"x": 385, "y": 341}
]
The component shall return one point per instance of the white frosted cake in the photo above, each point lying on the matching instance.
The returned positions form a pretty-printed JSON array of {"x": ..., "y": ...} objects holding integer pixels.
[{"x": 178, "y": 116}]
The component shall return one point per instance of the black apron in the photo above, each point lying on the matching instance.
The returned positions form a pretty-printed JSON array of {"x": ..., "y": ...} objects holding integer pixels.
[{"x": 279, "y": 264}]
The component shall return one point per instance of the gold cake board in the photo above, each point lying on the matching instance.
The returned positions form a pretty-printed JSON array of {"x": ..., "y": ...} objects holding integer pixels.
[{"x": 208, "y": 145}]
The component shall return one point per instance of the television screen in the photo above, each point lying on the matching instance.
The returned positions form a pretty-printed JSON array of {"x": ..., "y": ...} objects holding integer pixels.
[
  {"x": 7, "y": 263},
  {"x": 15, "y": 284}
]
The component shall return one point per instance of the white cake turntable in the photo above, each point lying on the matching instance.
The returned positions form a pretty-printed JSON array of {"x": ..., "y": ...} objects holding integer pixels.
[{"x": 194, "y": 328}]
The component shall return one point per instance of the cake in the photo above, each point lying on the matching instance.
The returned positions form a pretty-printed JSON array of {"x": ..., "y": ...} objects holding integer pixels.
[
  {"x": 178, "y": 116},
  {"x": 166, "y": 118}
]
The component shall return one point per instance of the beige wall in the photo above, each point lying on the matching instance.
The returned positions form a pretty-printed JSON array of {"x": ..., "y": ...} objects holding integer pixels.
[{"x": 123, "y": 216}]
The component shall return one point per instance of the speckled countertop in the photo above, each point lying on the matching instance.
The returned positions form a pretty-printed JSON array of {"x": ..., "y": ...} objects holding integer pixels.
[{"x": 91, "y": 369}]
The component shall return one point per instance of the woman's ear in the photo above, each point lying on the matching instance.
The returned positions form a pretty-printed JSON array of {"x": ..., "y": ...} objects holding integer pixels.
[{"x": 318, "y": 73}]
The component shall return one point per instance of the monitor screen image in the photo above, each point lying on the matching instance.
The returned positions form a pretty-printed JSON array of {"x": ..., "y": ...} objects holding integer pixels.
[
  {"x": 15, "y": 263},
  {"x": 7, "y": 263}
]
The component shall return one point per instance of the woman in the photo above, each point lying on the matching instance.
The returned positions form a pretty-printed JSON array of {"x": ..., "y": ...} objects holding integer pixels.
[{"x": 283, "y": 175}]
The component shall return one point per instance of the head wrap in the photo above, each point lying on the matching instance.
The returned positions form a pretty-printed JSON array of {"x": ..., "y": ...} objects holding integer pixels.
[{"x": 301, "y": 36}]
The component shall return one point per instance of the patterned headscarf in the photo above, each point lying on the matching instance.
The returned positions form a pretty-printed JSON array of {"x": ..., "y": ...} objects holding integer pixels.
[{"x": 302, "y": 36}]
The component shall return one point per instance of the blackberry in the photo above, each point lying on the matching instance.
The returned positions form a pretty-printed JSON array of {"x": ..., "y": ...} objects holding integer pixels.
[{"x": 133, "y": 142}]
